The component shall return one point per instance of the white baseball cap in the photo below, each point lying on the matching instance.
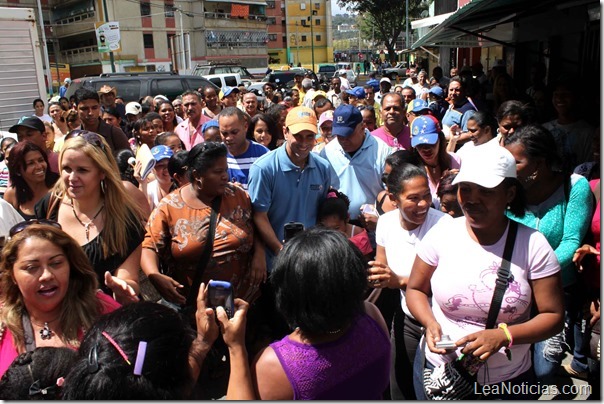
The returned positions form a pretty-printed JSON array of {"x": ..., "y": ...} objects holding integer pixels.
[
  {"x": 133, "y": 108},
  {"x": 487, "y": 166},
  {"x": 385, "y": 79}
]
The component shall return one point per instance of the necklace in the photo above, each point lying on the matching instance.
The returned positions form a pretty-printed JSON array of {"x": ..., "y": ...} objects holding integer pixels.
[
  {"x": 45, "y": 332},
  {"x": 432, "y": 168},
  {"x": 86, "y": 226}
]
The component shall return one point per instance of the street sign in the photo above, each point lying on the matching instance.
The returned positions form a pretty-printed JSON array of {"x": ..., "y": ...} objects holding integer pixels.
[{"x": 108, "y": 36}]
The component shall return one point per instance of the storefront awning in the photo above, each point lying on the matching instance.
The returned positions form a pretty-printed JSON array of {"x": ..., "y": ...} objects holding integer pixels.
[{"x": 482, "y": 23}]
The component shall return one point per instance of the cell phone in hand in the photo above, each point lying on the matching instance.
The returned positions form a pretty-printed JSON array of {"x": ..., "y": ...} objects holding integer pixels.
[
  {"x": 446, "y": 343},
  {"x": 220, "y": 293},
  {"x": 290, "y": 229}
]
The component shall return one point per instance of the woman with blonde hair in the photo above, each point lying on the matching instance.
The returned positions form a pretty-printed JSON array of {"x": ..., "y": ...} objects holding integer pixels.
[
  {"x": 92, "y": 205},
  {"x": 49, "y": 291}
]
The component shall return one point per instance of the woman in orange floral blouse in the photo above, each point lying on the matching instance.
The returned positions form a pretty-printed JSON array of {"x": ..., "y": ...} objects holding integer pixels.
[{"x": 178, "y": 230}]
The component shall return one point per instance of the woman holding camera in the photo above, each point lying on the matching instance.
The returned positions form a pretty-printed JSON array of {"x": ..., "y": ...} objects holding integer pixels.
[
  {"x": 460, "y": 278},
  {"x": 320, "y": 281}
]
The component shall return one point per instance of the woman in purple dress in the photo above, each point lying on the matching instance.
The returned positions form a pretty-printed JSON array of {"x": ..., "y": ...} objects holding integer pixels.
[{"x": 339, "y": 348}]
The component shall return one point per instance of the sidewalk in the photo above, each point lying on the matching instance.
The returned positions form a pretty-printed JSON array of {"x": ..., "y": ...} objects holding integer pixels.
[{"x": 569, "y": 388}]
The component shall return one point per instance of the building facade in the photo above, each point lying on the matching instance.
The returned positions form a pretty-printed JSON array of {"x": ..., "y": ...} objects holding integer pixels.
[
  {"x": 308, "y": 30},
  {"x": 156, "y": 35}
]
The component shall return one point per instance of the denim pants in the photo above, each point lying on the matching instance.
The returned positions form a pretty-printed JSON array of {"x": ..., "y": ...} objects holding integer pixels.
[{"x": 548, "y": 354}]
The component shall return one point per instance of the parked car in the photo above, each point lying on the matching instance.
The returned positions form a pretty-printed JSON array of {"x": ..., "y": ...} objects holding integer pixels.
[
  {"x": 398, "y": 71},
  {"x": 222, "y": 80},
  {"x": 134, "y": 86},
  {"x": 285, "y": 78},
  {"x": 206, "y": 70},
  {"x": 325, "y": 72}
]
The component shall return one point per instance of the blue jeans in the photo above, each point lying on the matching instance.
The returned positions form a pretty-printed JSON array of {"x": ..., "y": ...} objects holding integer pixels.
[{"x": 548, "y": 354}]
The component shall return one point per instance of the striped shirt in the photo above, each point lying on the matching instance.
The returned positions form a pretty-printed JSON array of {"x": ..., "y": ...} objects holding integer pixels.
[{"x": 239, "y": 166}]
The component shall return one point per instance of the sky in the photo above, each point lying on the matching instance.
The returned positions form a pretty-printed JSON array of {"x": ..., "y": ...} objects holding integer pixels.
[{"x": 335, "y": 9}]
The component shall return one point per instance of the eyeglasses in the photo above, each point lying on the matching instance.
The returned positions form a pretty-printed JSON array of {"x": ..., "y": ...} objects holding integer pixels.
[
  {"x": 91, "y": 137},
  {"x": 365, "y": 107},
  {"x": 19, "y": 227}
]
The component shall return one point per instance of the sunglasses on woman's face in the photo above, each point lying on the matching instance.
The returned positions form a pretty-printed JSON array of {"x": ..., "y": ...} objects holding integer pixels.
[
  {"x": 19, "y": 227},
  {"x": 91, "y": 137}
]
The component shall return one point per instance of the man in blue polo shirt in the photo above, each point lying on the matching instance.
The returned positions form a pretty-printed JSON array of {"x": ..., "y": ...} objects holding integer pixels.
[
  {"x": 356, "y": 158},
  {"x": 241, "y": 152},
  {"x": 288, "y": 183}
]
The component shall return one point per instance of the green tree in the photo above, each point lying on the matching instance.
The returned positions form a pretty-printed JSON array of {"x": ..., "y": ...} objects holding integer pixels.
[{"x": 384, "y": 18}]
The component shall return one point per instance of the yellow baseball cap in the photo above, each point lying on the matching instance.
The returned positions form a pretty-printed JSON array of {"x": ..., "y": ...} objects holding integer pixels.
[{"x": 301, "y": 118}]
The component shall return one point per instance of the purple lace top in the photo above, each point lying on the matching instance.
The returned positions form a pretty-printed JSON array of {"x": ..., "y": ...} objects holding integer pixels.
[{"x": 354, "y": 367}]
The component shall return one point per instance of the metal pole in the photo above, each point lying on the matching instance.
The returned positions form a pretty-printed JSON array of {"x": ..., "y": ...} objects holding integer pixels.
[
  {"x": 45, "y": 51},
  {"x": 182, "y": 45},
  {"x": 107, "y": 20},
  {"x": 407, "y": 28},
  {"x": 297, "y": 44},
  {"x": 312, "y": 38}
]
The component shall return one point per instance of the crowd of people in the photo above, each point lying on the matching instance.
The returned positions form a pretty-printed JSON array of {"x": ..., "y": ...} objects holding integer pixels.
[{"x": 371, "y": 236}]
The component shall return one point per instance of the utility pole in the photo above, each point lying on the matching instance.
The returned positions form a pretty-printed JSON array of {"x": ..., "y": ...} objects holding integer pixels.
[
  {"x": 297, "y": 45},
  {"x": 407, "y": 28},
  {"x": 110, "y": 53},
  {"x": 312, "y": 36},
  {"x": 45, "y": 49}
]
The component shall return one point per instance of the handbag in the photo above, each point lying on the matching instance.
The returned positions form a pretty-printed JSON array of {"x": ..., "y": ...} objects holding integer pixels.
[{"x": 456, "y": 380}]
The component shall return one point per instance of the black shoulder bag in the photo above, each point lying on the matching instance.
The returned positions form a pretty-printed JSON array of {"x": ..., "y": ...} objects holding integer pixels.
[
  {"x": 205, "y": 258},
  {"x": 456, "y": 380}
]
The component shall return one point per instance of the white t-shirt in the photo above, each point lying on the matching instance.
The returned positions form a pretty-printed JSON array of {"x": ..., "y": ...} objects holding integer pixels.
[
  {"x": 44, "y": 118},
  {"x": 400, "y": 243},
  {"x": 8, "y": 217},
  {"x": 463, "y": 285}
]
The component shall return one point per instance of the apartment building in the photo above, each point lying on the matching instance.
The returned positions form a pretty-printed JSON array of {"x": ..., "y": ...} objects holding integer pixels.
[
  {"x": 156, "y": 35},
  {"x": 308, "y": 30}
]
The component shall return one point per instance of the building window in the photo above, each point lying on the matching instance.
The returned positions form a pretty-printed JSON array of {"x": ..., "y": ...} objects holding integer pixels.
[
  {"x": 303, "y": 22},
  {"x": 318, "y": 38},
  {"x": 303, "y": 38},
  {"x": 270, "y": 4},
  {"x": 317, "y": 6},
  {"x": 272, "y": 37},
  {"x": 302, "y": 6},
  {"x": 283, "y": 23},
  {"x": 271, "y": 20},
  {"x": 168, "y": 10},
  {"x": 317, "y": 22},
  {"x": 145, "y": 9},
  {"x": 148, "y": 41}
]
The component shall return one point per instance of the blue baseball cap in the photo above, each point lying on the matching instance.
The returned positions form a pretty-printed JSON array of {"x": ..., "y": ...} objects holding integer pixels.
[
  {"x": 226, "y": 91},
  {"x": 346, "y": 117},
  {"x": 357, "y": 92},
  {"x": 161, "y": 152},
  {"x": 417, "y": 106},
  {"x": 424, "y": 130},
  {"x": 375, "y": 84},
  {"x": 209, "y": 124},
  {"x": 437, "y": 90}
]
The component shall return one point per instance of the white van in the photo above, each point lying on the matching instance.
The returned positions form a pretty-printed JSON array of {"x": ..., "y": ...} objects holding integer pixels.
[{"x": 225, "y": 79}]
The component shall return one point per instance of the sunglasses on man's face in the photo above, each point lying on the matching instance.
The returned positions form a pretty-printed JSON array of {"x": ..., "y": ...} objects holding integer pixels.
[{"x": 19, "y": 227}]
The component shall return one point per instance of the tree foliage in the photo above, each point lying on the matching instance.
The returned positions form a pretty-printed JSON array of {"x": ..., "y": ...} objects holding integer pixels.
[{"x": 384, "y": 18}]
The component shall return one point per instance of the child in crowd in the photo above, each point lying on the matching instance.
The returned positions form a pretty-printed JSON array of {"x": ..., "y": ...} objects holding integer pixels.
[
  {"x": 211, "y": 131},
  {"x": 5, "y": 146},
  {"x": 177, "y": 167},
  {"x": 37, "y": 374},
  {"x": 171, "y": 140},
  {"x": 447, "y": 193},
  {"x": 333, "y": 214}
]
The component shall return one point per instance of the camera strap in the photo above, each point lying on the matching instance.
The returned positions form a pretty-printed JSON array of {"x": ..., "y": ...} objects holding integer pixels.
[{"x": 205, "y": 256}]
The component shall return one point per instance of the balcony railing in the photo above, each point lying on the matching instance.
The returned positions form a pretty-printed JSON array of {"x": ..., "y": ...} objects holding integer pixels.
[
  {"x": 221, "y": 15},
  {"x": 87, "y": 54},
  {"x": 236, "y": 39},
  {"x": 75, "y": 18}
]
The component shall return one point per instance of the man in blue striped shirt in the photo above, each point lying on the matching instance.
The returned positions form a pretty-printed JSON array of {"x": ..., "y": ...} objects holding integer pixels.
[{"x": 242, "y": 152}]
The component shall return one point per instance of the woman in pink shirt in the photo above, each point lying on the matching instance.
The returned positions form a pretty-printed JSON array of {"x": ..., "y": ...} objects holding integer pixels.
[{"x": 50, "y": 294}]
